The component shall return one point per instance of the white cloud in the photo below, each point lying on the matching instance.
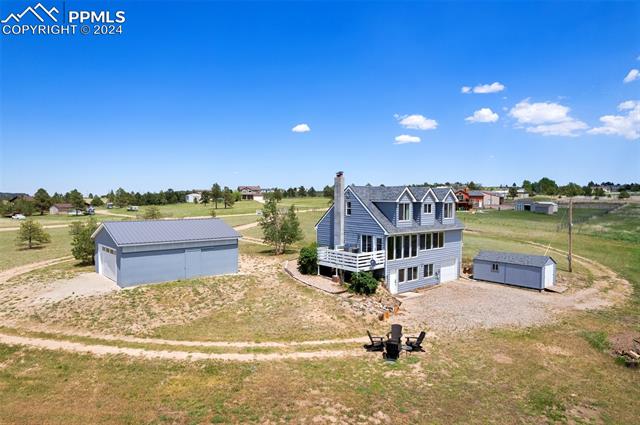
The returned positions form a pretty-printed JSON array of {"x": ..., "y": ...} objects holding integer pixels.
[
  {"x": 568, "y": 128},
  {"x": 546, "y": 118},
  {"x": 483, "y": 115},
  {"x": 416, "y": 122},
  {"x": 484, "y": 88},
  {"x": 405, "y": 138},
  {"x": 301, "y": 128},
  {"x": 633, "y": 75},
  {"x": 627, "y": 126}
]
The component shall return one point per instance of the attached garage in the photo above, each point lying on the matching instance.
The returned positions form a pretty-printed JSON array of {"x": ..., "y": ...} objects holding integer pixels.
[
  {"x": 528, "y": 271},
  {"x": 136, "y": 252}
]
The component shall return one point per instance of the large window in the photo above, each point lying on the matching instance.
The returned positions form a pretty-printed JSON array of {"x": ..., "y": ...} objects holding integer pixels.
[
  {"x": 414, "y": 245},
  {"x": 391, "y": 248},
  {"x": 412, "y": 273},
  {"x": 366, "y": 243},
  {"x": 404, "y": 211},
  {"x": 427, "y": 208},
  {"x": 448, "y": 210},
  {"x": 428, "y": 270}
]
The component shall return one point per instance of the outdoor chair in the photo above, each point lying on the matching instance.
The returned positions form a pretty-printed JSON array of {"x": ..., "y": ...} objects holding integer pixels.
[
  {"x": 415, "y": 344},
  {"x": 377, "y": 343},
  {"x": 396, "y": 333},
  {"x": 392, "y": 350}
]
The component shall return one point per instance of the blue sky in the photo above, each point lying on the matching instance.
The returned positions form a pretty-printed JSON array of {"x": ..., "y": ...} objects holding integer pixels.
[{"x": 197, "y": 92}]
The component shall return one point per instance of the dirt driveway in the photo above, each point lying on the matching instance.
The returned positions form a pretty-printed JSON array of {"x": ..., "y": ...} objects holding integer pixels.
[{"x": 466, "y": 304}]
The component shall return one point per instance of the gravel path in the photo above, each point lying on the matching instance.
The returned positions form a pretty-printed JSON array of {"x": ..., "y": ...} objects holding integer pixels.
[{"x": 16, "y": 271}]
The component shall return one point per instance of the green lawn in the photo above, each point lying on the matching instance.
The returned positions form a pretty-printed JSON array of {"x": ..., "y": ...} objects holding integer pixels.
[
  {"x": 195, "y": 210},
  {"x": 13, "y": 256},
  {"x": 309, "y": 202},
  {"x": 308, "y": 221}
]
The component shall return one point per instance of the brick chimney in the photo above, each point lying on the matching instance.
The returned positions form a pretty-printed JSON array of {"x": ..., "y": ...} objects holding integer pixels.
[{"x": 338, "y": 210}]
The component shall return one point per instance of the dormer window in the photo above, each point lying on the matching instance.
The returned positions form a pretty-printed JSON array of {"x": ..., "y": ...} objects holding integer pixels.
[
  {"x": 448, "y": 210},
  {"x": 347, "y": 208},
  {"x": 427, "y": 208},
  {"x": 404, "y": 211}
]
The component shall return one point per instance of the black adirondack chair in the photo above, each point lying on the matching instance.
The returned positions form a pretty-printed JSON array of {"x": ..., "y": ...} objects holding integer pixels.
[
  {"x": 396, "y": 333},
  {"x": 415, "y": 344},
  {"x": 377, "y": 343}
]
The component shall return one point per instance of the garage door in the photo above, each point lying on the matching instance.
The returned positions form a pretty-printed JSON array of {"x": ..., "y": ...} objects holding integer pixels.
[
  {"x": 449, "y": 272},
  {"x": 108, "y": 267}
]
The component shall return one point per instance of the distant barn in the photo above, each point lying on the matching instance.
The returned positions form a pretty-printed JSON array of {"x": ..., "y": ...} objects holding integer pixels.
[
  {"x": 528, "y": 271},
  {"x": 542, "y": 207}
]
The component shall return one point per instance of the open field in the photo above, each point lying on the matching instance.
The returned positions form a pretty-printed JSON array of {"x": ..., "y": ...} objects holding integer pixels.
[
  {"x": 558, "y": 372},
  {"x": 308, "y": 202},
  {"x": 308, "y": 221},
  {"x": 12, "y": 256},
  {"x": 194, "y": 210}
]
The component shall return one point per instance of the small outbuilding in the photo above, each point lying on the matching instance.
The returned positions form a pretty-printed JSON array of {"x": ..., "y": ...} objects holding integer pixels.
[
  {"x": 60, "y": 209},
  {"x": 136, "y": 252},
  {"x": 542, "y": 207},
  {"x": 528, "y": 271}
]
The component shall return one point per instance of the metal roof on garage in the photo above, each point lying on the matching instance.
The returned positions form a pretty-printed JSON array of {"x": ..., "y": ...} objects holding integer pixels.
[
  {"x": 148, "y": 232},
  {"x": 514, "y": 258}
]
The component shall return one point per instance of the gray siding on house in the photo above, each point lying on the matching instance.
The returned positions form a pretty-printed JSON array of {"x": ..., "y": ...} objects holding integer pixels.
[
  {"x": 324, "y": 229},
  {"x": 451, "y": 251},
  {"x": 358, "y": 223},
  {"x": 427, "y": 219},
  {"x": 173, "y": 264}
]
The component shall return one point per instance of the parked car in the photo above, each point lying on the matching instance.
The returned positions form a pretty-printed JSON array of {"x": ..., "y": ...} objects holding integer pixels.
[
  {"x": 132, "y": 208},
  {"x": 18, "y": 217}
]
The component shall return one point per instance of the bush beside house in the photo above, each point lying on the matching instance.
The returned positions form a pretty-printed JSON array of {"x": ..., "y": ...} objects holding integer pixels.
[{"x": 308, "y": 259}]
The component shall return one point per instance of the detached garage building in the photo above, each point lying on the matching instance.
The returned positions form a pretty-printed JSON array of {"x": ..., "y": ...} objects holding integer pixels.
[
  {"x": 136, "y": 252},
  {"x": 528, "y": 271}
]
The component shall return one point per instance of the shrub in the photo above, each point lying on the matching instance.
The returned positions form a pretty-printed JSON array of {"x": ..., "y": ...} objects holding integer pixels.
[
  {"x": 308, "y": 260},
  {"x": 152, "y": 212},
  {"x": 363, "y": 283}
]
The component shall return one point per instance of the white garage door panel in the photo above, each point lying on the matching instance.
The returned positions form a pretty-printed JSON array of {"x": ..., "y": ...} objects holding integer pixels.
[
  {"x": 108, "y": 265},
  {"x": 448, "y": 273}
]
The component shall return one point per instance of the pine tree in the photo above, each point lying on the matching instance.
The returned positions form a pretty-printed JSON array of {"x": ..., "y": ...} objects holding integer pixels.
[{"x": 32, "y": 233}]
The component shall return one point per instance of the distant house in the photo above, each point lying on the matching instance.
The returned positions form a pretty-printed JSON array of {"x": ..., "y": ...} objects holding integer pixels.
[
  {"x": 469, "y": 199},
  {"x": 536, "y": 206},
  {"x": 407, "y": 235},
  {"x": 56, "y": 209},
  {"x": 194, "y": 197},
  {"x": 521, "y": 193},
  {"x": 492, "y": 199},
  {"x": 528, "y": 271},
  {"x": 251, "y": 193},
  {"x": 136, "y": 252}
]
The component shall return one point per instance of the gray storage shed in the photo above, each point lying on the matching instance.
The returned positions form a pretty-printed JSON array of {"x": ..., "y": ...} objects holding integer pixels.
[
  {"x": 136, "y": 252},
  {"x": 528, "y": 271}
]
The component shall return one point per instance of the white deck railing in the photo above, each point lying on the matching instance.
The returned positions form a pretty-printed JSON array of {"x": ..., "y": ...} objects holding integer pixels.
[{"x": 351, "y": 261}]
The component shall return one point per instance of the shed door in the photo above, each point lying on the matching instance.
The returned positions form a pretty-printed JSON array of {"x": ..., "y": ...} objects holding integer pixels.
[
  {"x": 108, "y": 264},
  {"x": 449, "y": 272},
  {"x": 393, "y": 282},
  {"x": 548, "y": 276},
  {"x": 192, "y": 266}
]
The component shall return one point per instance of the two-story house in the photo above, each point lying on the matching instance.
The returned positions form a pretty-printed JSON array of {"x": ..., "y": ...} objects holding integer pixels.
[{"x": 409, "y": 236}]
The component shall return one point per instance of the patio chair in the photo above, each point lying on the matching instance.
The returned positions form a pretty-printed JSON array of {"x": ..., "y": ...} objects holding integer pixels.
[
  {"x": 415, "y": 344},
  {"x": 392, "y": 350},
  {"x": 377, "y": 343},
  {"x": 396, "y": 333}
]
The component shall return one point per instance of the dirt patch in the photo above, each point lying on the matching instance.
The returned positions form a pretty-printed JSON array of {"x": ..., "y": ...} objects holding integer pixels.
[{"x": 465, "y": 304}]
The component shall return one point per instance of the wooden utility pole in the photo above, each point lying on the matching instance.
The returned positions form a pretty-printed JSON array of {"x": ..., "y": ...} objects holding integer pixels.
[{"x": 569, "y": 257}]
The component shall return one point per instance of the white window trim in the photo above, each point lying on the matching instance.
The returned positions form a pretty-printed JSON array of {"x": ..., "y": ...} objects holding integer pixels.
[
  {"x": 430, "y": 205},
  {"x": 432, "y": 268},
  {"x": 347, "y": 208},
  {"x": 406, "y": 273},
  {"x": 497, "y": 268},
  {"x": 444, "y": 208},
  {"x": 400, "y": 204}
]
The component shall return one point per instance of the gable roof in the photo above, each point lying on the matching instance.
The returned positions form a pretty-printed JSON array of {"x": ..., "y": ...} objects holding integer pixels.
[
  {"x": 150, "y": 232},
  {"x": 62, "y": 206},
  {"x": 514, "y": 258},
  {"x": 476, "y": 193},
  {"x": 369, "y": 195}
]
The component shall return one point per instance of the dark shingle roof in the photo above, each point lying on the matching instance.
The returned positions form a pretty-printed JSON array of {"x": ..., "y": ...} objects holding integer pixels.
[
  {"x": 370, "y": 194},
  {"x": 514, "y": 258},
  {"x": 148, "y": 232},
  {"x": 476, "y": 193}
]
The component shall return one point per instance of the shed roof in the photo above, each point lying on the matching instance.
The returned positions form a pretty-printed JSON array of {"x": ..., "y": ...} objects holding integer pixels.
[
  {"x": 514, "y": 258},
  {"x": 150, "y": 232}
]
